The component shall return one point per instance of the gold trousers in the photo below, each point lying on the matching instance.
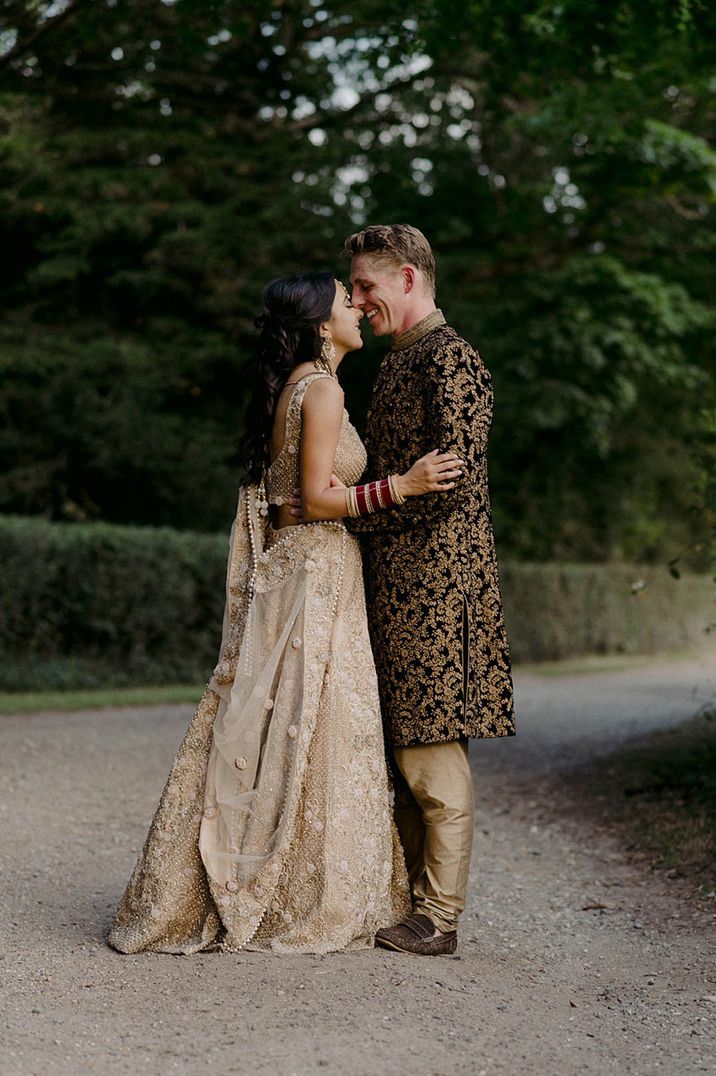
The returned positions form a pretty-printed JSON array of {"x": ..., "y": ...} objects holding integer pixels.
[{"x": 434, "y": 812}]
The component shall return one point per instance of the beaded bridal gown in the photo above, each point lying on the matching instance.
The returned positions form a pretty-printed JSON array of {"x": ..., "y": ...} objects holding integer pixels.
[{"x": 275, "y": 828}]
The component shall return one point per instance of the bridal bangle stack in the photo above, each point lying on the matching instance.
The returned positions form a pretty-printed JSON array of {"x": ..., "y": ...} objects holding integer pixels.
[{"x": 366, "y": 499}]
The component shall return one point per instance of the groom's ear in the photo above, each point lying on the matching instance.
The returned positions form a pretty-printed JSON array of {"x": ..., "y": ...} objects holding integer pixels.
[{"x": 409, "y": 277}]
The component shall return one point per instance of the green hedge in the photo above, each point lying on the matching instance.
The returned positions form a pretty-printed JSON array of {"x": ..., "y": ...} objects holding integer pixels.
[
  {"x": 90, "y": 605},
  {"x": 556, "y": 611},
  {"x": 98, "y": 605}
]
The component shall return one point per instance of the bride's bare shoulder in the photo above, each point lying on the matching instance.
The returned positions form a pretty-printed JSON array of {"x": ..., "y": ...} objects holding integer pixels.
[{"x": 323, "y": 393}]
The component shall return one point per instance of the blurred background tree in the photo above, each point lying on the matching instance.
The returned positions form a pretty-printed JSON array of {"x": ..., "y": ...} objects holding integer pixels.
[{"x": 160, "y": 161}]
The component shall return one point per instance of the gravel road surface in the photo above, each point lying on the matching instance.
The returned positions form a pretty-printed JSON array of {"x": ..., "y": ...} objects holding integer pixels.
[{"x": 571, "y": 961}]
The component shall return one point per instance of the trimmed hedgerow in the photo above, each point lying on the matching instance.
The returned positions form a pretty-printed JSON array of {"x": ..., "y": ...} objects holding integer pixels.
[
  {"x": 98, "y": 605},
  {"x": 556, "y": 611},
  {"x": 83, "y": 605}
]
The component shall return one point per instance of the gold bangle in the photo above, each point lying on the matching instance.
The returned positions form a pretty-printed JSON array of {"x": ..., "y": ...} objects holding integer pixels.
[
  {"x": 379, "y": 495},
  {"x": 351, "y": 502},
  {"x": 397, "y": 495}
]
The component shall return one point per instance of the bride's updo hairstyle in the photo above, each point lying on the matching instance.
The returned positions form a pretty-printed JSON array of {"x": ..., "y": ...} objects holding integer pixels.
[{"x": 294, "y": 307}]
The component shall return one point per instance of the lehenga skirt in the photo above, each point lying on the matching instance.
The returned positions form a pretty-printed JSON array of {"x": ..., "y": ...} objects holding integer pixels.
[{"x": 275, "y": 829}]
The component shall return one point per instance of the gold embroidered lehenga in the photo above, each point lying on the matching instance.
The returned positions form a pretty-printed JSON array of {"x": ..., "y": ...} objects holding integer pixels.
[{"x": 275, "y": 830}]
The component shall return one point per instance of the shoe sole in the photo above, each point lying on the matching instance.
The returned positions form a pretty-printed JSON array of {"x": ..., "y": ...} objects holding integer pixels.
[{"x": 382, "y": 944}]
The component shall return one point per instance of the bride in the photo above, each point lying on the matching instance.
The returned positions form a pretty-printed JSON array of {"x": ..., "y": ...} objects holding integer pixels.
[{"x": 274, "y": 830}]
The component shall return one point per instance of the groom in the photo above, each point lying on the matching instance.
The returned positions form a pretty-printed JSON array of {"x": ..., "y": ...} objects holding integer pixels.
[{"x": 433, "y": 595}]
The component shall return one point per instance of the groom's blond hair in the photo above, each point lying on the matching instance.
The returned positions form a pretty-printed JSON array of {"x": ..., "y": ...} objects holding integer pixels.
[{"x": 397, "y": 243}]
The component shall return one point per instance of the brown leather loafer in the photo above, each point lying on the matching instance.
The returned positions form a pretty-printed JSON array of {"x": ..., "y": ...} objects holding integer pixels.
[{"x": 417, "y": 934}]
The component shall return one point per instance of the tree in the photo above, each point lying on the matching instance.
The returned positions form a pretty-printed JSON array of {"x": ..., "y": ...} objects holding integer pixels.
[{"x": 160, "y": 161}]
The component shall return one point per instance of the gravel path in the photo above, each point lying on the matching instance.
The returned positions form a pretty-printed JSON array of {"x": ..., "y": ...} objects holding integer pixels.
[{"x": 543, "y": 984}]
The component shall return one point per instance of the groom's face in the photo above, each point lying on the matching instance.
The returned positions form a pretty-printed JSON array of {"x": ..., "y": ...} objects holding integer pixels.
[{"x": 379, "y": 290}]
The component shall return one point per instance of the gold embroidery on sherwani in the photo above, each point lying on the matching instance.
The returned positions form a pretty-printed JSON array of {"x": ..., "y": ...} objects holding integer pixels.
[
  {"x": 275, "y": 828},
  {"x": 432, "y": 586}
]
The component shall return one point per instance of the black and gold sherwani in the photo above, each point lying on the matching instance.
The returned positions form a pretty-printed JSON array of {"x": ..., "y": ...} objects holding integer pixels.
[{"x": 434, "y": 604}]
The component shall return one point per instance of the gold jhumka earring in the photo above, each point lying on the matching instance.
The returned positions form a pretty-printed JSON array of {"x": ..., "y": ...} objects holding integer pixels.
[{"x": 325, "y": 360}]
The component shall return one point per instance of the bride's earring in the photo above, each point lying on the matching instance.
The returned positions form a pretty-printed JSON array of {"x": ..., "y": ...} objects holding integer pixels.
[{"x": 327, "y": 357}]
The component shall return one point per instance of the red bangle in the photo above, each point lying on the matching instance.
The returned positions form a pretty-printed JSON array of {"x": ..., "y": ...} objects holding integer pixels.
[{"x": 369, "y": 498}]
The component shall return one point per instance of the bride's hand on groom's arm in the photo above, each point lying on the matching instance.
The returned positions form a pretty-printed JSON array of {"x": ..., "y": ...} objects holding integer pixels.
[{"x": 434, "y": 472}]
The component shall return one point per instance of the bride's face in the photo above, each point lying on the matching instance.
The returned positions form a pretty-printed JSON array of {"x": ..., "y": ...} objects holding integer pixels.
[{"x": 343, "y": 324}]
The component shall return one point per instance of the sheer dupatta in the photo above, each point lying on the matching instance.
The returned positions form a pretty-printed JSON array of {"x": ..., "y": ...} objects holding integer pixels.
[
  {"x": 218, "y": 840},
  {"x": 269, "y": 681}
]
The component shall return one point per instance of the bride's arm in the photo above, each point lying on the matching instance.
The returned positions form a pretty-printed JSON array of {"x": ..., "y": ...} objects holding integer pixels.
[{"x": 322, "y": 418}]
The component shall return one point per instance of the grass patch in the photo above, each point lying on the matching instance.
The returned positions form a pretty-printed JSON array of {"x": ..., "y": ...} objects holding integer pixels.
[
  {"x": 28, "y": 702},
  {"x": 660, "y": 795}
]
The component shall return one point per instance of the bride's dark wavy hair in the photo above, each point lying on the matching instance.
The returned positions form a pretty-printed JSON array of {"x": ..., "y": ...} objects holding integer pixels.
[{"x": 293, "y": 309}]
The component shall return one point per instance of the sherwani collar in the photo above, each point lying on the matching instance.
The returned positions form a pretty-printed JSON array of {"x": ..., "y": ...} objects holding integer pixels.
[{"x": 418, "y": 331}]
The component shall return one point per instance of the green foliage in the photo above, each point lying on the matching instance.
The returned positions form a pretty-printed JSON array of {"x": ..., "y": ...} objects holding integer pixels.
[
  {"x": 90, "y": 605},
  {"x": 159, "y": 162},
  {"x": 605, "y": 402},
  {"x": 98, "y": 426},
  {"x": 701, "y": 439}
]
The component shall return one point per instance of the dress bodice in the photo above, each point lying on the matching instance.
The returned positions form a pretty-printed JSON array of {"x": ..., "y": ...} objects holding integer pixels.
[{"x": 349, "y": 462}]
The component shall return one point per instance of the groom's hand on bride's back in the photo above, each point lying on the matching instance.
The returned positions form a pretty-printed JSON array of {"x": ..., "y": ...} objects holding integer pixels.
[{"x": 295, "y": 501}]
